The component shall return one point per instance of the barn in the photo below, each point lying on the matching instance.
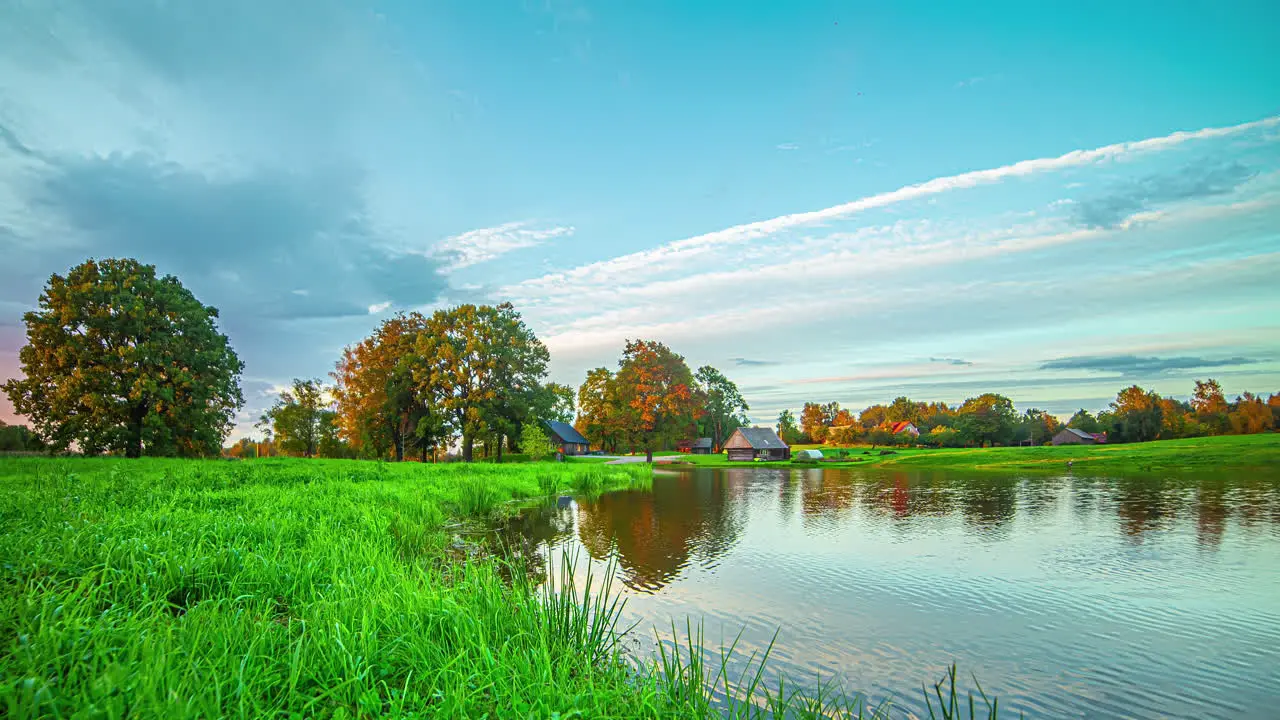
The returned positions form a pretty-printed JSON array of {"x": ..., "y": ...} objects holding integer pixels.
[
  {"x": 566, "y": 438},
  {"x": 747, "y": 444},
  {"x": 1072, "y": 436}
]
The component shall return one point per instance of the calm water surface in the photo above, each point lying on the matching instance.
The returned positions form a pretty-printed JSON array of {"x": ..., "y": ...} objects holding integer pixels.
[{"x": 1068, "y": 597}]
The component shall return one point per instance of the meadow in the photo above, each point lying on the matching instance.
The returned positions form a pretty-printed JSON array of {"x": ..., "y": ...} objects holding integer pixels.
[
  {"x": 1225, "y": 452},
  {"x": 311, "y": 588}
]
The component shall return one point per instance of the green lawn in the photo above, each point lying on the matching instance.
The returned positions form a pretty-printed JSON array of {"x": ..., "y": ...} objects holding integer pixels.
[
  {"x": 311, "y": 588},
  {"x": 1230, "y": 452}
]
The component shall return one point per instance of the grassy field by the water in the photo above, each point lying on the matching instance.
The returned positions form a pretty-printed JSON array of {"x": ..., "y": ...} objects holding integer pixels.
[
  {"x": 1227, "y": 452},
  {"x": 308, "y": 588}
]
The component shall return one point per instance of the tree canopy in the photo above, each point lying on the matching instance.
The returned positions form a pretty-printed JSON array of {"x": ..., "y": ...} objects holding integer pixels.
[
  {"x": 724, "y": 408},
  {"x": 119, "y": 359},
  {"x": 652, "y": 400}
]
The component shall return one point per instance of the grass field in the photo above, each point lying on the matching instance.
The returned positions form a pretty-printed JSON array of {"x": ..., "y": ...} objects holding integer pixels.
[
  {"x": 308, "y": 588},
  {"x": 1228, "y": 452}
]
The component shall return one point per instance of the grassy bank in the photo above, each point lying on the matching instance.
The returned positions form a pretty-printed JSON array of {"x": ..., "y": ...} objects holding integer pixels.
[
  {"x": 310, "y": 589},
  {"x": 1228, "y": 452}
]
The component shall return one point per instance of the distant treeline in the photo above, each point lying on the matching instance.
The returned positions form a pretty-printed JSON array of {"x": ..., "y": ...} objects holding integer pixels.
[{"x": 1136, "y": 415}]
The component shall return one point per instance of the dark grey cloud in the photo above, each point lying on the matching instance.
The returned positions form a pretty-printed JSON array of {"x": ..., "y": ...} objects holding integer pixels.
[
  {"x": 745, "y": 362},
  {"x": 1136, "y": 365},
  {"x": 1196, "y": 180},
  {"x": 268, "y": 244},
  {"x": 949, "y": 361}
]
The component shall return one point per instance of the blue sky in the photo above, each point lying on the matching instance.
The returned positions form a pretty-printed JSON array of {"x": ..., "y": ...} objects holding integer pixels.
[{"x": 829, "y": 201}]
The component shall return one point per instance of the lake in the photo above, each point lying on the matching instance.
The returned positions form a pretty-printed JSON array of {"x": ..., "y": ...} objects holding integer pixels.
[{"x": 1100, "y": 597}]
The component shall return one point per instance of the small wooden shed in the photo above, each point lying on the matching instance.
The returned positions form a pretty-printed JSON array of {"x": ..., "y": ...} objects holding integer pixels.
[
  {"x": 747, "y": 444},
  {"x": 569, "y": 440},
  {"x": 701, "y": 446}
]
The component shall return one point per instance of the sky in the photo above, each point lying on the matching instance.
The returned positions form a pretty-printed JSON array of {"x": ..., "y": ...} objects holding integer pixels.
[{"x": 827, "y": 200}]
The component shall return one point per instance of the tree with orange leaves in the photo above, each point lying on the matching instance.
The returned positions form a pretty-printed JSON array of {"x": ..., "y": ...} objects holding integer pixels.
[
  {"x": 657, "y": 395},
  {"x": 378, "y": 408}
]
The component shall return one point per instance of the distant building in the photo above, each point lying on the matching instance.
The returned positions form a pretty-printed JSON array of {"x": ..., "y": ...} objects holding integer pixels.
[
  {"x": 747, "y": 444},
  {"x": 569, "y": 440},
  {"x": 808, "y": 455},
  {"x": 1072, "y": 436},
  {"x": 701, "y": 446},
  {"x": 904, "y": 427}
]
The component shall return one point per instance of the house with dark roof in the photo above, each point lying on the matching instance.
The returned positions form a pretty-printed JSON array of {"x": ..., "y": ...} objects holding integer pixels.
[
  {"x": 568, "y": 439},
  {"x": 1072, "y": 436},
  {"x": 701, "y": 446},
  {"x": 747, "y": 444}
]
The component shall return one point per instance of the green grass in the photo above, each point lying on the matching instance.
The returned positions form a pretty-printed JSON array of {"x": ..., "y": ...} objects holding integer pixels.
[
  {"x": 333, "y": 589},
  {"x": 1228, "y": 452}
]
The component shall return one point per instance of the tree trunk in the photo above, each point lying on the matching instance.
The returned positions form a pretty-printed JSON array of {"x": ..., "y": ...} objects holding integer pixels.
[
  {"x": 468, "y": 444},
  {"x": 424, "y": 454},
  {"x": 134, "y": 448},
  {"x": 648, "y": 456},
  {"x": 399, "y": 443},
  {"x": 500, "y": 441}
]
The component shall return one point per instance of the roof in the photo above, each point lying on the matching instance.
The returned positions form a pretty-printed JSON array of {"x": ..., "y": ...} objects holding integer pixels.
[
  {"x": 565, "y": 432},
  {"x": 702, "y": 443},
  {"x": 762, "y": 438},
  {"x": 1081, "y": 434},
  {"x": 902, "y": 426}
]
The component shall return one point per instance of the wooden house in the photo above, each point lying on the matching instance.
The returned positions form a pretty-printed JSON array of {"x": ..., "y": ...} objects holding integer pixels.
[
  {"x": 701, "y": 446},
  {"x": 747, "y": 444},
  {"x": 566, "y": 438},
  {"x": 1072, "y": 436}
]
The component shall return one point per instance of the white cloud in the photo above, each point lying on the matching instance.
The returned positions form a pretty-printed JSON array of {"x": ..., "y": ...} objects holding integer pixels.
[
  {"x": 379, "y": 307},
  {"x": 644, "y": 265},
  {"x": 787, "y": 146},
  {"x": 478, "y": 246}
]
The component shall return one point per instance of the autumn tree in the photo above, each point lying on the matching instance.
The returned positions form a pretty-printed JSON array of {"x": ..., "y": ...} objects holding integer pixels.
[
  {"x": 657, "y": 394},
  {"x": 481, "y": 367},
  {"x": 874, "y": 416},
  {"x": 599, "y": 410},
  {"x": 1250, "y": 415},
  {"x": 813, "y": 422},
  {"x": 377, "y": 401},
  {"x": 725, "y": 409},
  {"x": 1136, "y": 415},
  {"x": 300, "y": 418},
  {"x": 244, "y": 449},
  {"x": 1178, "y": 420},
  {"x": 1211, "y": 406},
  {"x": 987, "y": 419},
  {"x": 120, "y": 359}
]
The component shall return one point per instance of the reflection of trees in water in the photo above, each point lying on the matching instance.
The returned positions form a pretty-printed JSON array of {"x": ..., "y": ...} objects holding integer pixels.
[
  {"x": 524, "y": 539},
  {"x": 693, "y": 516},
  {"x": 989, "y": 502},
  {"x": 903, "y": 495},
  {"x": 1143, "y": 504},
  {"x": 698, "y": 517}
]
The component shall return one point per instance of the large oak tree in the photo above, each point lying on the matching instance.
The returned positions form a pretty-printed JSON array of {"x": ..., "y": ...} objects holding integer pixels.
[
  {"x": 481, "y": 367},
  {"x": 657, "y": 394},
  {"x": 119, "y": 359}
]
